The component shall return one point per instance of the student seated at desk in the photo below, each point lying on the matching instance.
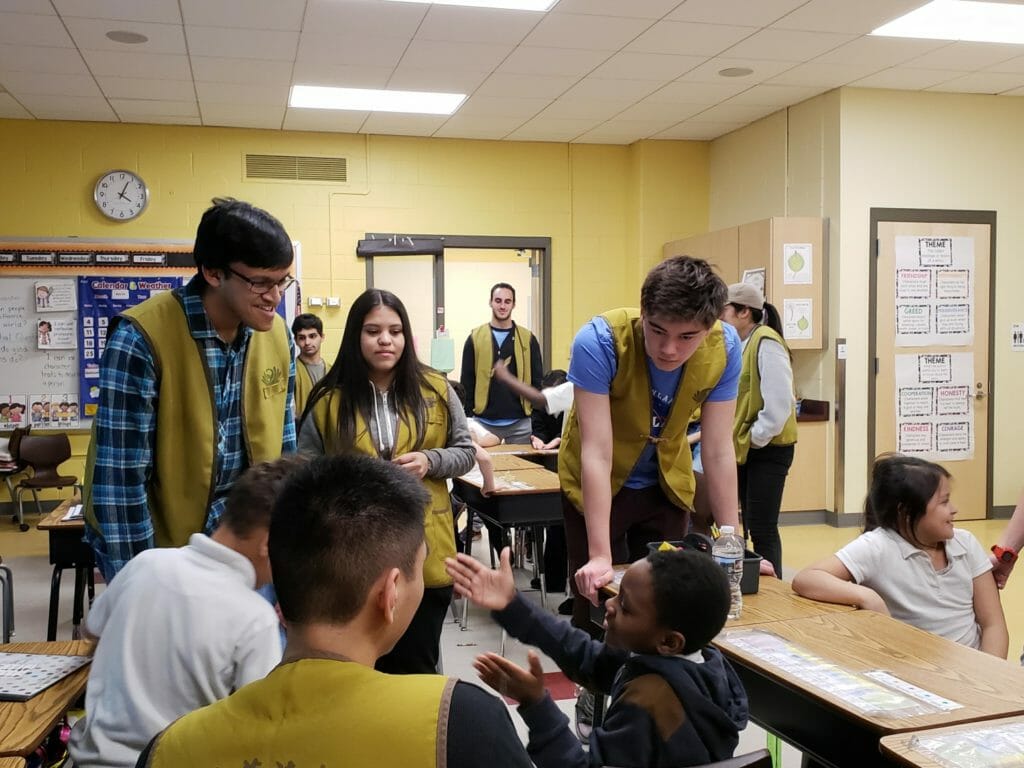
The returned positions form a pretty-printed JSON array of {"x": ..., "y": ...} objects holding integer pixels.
[
  {"x": 347, "y": 549},
  {"x": 181, "y": 628},
  {"x": 675, "y": 701},
  {"x": 911, "y": 563}
]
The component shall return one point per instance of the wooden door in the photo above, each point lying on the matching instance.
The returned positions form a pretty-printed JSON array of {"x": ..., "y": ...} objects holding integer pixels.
[{"x": 932, "y": 342}]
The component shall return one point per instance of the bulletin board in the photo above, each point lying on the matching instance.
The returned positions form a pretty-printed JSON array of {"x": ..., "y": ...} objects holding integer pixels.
[{"x": 57, "y": 298}]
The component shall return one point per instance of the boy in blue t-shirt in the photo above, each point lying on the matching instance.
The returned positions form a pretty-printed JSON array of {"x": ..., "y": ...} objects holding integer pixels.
[{"x": 680, "y": 303}]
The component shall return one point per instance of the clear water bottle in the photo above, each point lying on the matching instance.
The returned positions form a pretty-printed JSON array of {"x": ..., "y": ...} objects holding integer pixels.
[{"x": 728, "y": 551}]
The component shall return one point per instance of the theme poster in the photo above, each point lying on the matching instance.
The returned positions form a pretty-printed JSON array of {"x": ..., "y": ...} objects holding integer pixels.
[
  {"x": 934, "y": 291},
  {"x": 935, "y": 406},
  {"x": 101, "y": 299}
]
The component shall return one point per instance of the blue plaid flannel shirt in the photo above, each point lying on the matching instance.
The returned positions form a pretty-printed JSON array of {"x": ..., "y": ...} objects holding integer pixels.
[{"x": 126, "y": 431}]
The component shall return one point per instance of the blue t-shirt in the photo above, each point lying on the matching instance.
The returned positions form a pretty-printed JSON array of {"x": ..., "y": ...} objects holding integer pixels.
[{"x": 592, "y": 367}]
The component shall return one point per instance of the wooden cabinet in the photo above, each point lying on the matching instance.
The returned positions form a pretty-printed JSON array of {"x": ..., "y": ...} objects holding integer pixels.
[{"x": 787, "y": 248}]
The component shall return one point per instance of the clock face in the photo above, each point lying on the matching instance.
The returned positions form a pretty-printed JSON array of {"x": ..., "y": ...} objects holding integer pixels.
[{"x": 120, "y": 195}]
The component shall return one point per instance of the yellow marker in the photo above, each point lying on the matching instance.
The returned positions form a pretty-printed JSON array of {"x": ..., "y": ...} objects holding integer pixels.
[
  {"x": 715, "y": 533},
  {"x": 665, "y": 547}
]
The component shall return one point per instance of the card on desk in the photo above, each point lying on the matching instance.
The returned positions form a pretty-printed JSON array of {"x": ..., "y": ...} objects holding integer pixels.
[{"x": 23, "y": 675}]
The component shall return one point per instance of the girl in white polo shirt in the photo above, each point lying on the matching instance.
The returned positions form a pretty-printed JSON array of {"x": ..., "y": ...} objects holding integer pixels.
[{"x": 911, "y": 563}]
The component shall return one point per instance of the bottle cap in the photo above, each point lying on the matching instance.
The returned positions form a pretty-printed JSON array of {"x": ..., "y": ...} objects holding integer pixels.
[{"x": 727, "y": 529}]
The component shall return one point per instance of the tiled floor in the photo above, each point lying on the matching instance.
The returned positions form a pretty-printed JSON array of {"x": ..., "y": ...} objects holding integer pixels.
[{"x": 26, "y": 553}]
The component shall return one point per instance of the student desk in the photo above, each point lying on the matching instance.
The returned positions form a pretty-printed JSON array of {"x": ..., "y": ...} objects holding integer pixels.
[
  {"x": 68, "y": 550},
  {"x": 821, "y": 721},
  {"x": 24, "y": 724},
  {"x": 547, "y": 458},
  {"x": 905, "y": 749},
  {"x": 510, "y": 462}
]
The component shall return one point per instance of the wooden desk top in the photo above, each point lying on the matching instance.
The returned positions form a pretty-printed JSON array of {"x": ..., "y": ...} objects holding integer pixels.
[
  {"x": 24, "y": 724},
  {"x": 905, "y": 748},
  {"x": 520, "y": 450},
  {"x": 520, "y": 482},
  {"x": 863, "y": 641},
  {"x": 504, "y": 462},
  {"x": 12, "y": 762},
  {"x": 53, "y": 522}
]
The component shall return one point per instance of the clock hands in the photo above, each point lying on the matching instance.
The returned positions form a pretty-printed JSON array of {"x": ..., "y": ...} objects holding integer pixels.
[{"x": 122, "y": 194}]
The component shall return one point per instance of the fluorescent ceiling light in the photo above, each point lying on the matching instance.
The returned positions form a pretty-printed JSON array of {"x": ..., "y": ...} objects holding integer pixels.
[
  {"x": 960, "y": 20},
  {"x": 373, "y": 100},
  {"x": 515, "y": 5}
]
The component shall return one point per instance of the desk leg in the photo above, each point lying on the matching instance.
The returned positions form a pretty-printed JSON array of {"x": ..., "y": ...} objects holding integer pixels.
[
  {"x": 91, "y": 583},
  {"x": 78, "y": 610},
  {"x": 51, "y": 626}
]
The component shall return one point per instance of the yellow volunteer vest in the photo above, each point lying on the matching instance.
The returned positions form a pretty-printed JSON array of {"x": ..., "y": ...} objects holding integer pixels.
[
  {"x": 182, "y": 478},
  {"x": 483, "y": 352},
  {"x": 303, "y": 386},
  {"x": 316, "y": 712},
  {"x": 630, "y": 400},
  {"x": 437, "y": 518},
  {"x": 749, "y": 401}
]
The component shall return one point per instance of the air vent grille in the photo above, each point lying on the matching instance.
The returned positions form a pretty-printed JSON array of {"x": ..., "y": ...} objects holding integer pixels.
[{"x": 296, "y": 168}]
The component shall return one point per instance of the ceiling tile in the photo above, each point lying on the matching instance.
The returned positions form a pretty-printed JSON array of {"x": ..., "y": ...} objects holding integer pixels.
[
  {"x": 334, "y": 120},
  {"x": 574, "y": 30},
  {"x": 135, "y": 117},
  {"x": 33, "y": 58},
  {"x": 966, "y": 56},
  {"x": 742, "y": 12},
  {"x": 146, "y": 88},
  {"x": 341, "y": 76},
  {"x": 763, "y": 70},
  {"x": 68, "y": 107},
  {"x": 501, "y": 107},
  {"x": 844, "y": 16},
  {"x": 165, "y": 66},
  {"x": 907, "y": 78},
  {"x": 315, "y": 48},
  {"x": 24, "y": 83},
  {"x": 647, "y": 66},
  {"x": 33, "y": 29},
  {"x": 684, "y": 92},
  {"x": 255, "y": 14},
  {"x": 786, "y": 45},
  {"x": 242, "y": 43},
  {"x": 9, "y": 108},
  {"x": 528, "y": 60},
  {"x": 39, "y": 7},
  {"x": 242, "y": 115},
  {"x": 1010, "y": 65},
  {"x": 615, "y": 91},
  {"x": 596, "y": 111},
  {"x": 692, "y": 39},
  {"x": 884, "y": 51},
  {"x": 734, "y": 113},
  {"x": 507, "y": 84},
  {"x": 652, "y": 111},
  {"x": 477, "y": 25},
  {"x": 365, "y": 18},
  {"x": 635, "y": 9},
  {"x": 982, "y": 82},
  {"x": 397, "y": 124},
  {"x": 91, "y": 34},
  {"x": 438, "y": 80},
  {"x": 698, "y": 131},
  {"x": 623, "y": 131},
  {"x": 233, "y": 93},
  {"x": 246, "y": 71},
  {"x": 158, "y": 11},
  {"x": 825, "y": 76},
  {"x": 474, "y": 57},
  {"x": 1014, "y": 92},
  {"x": 154, "y": 108},
  {"x": 552, "y": 129},
  {"x": 476, "y": 127},
  {"x": 769, "y": 95}
]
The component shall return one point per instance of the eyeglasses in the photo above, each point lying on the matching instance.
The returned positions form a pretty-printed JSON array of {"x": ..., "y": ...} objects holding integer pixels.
[{"x": 261, "y": 287}]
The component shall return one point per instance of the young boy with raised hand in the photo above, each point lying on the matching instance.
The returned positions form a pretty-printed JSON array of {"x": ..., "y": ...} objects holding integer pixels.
[{"x": 675, "y": 701}]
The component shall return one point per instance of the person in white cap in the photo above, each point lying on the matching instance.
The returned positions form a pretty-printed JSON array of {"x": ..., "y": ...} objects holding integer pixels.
[{"x": 764, "y": 432}]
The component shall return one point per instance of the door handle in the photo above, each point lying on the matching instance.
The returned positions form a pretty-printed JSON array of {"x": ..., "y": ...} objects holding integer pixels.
[{"x": 979, "y": 392}]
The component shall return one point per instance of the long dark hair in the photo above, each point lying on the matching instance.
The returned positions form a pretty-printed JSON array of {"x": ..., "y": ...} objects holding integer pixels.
[
  {"x": 768, "y": 316},
  {"x": 349, "y": 377},
  {"x": 901, "y": 488}
]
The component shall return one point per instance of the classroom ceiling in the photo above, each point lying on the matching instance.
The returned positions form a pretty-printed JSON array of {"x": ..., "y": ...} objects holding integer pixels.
[{"x": 600, "y": 71}]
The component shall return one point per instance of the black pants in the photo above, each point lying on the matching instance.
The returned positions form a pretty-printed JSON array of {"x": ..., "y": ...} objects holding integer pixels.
[
  {"x": 418, "y": 650},
  {"x": 761, "y": 481},
  {"x": 555, "y": 558}
]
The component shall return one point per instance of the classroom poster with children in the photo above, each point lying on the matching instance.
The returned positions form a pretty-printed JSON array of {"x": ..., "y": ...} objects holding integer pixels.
[
  {"x": 101, "y": 299},
  {"x": 12, "y": 411},
  {"x": 934, "y": 291},
  {"x": 54, "y": 410}
]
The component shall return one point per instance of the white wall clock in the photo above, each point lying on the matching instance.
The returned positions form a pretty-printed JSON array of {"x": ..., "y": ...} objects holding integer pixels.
[{"x": 121, "y": 195}]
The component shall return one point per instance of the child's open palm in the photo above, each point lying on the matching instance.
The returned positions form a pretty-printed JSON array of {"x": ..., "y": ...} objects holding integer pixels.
[
  {"x": 491, "y": 589},
  {"x": 509, "y": 679}
]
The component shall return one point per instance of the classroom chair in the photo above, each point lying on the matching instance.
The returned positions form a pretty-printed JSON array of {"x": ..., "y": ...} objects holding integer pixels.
[
  {"x": 760, "y": 758},
  {"x": 17, "y": 465},
  {"x": 43, "y": 454}
]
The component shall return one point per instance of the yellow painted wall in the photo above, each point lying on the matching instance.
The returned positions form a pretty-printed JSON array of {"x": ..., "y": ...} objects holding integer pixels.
[
  {"x": 748, "y": 173},
  {"x": 585, "y": 197}
]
